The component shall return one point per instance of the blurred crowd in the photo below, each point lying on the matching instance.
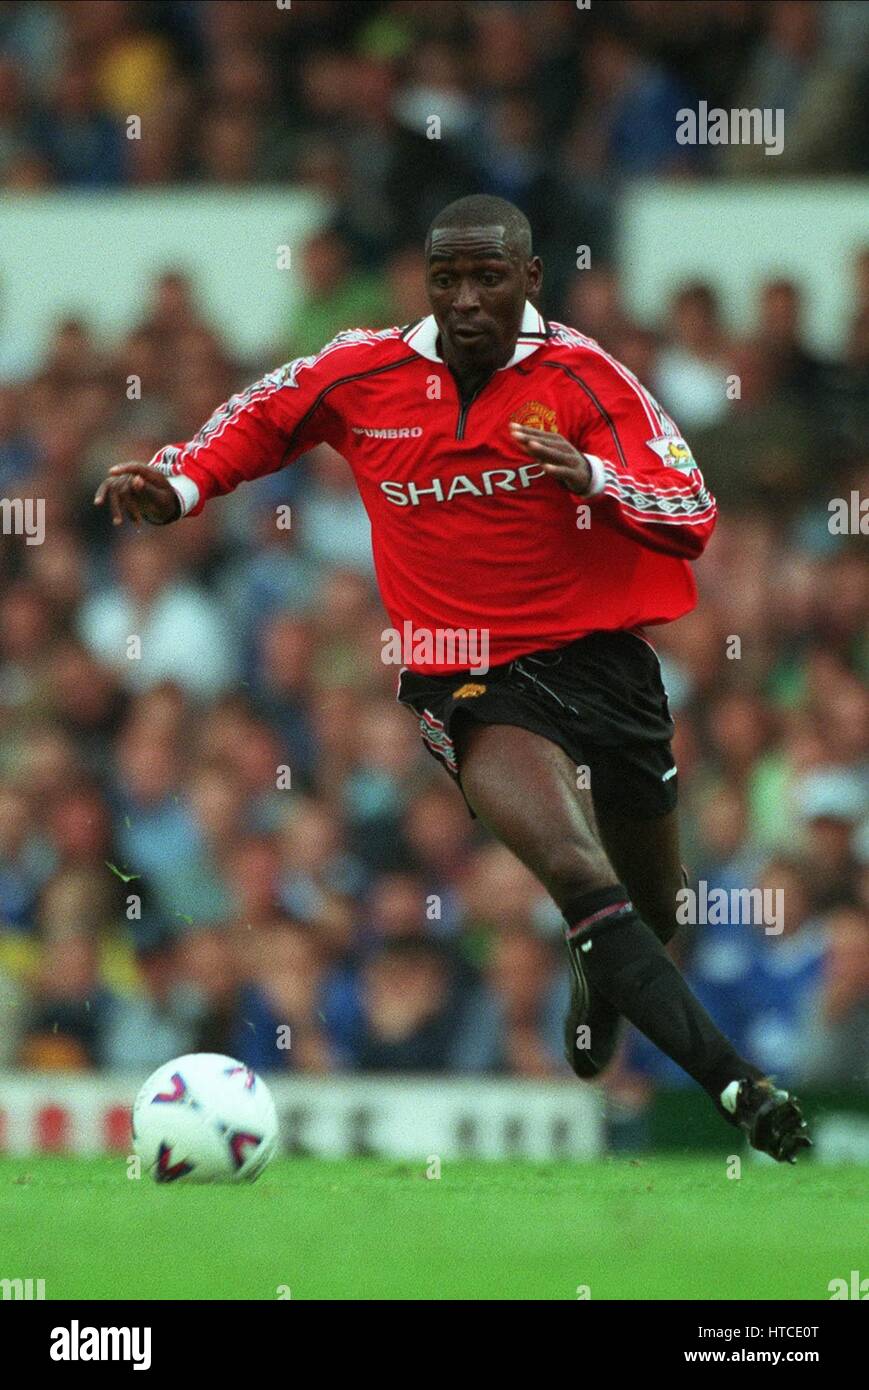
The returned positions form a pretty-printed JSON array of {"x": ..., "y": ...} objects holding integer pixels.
[
  {"x": 392, "y": 109},
  {"x": 229, "y": 836},
  {"x": 233, "y": 827}
]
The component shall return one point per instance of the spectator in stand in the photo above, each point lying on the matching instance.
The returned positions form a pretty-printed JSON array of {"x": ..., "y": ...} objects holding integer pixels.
[
  {"x": 181, "y": 633},
  {"x": 780, "y": 327},
  {"x": 70, "y": 1005},
  {"x": 691, "y": 375},
  {"x": 27, "y": 859},
  {"x": 515, "y": 1025},
  {"x": 792, "y": 71},
  {"x": 837, "y": 1049},
  {"x": 408, "y": 1021},
  {"x": 141, "y": 1028},
  {"x": 337, "y": 295}
]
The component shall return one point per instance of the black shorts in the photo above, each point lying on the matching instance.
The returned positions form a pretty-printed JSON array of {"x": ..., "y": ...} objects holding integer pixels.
[{"x": 600, "y": 698}]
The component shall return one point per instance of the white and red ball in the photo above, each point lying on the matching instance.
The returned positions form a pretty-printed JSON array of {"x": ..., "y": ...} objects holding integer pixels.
[{"x": 204, "y": 1118}]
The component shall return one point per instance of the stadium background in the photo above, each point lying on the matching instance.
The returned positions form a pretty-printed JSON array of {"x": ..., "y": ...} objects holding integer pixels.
[{"x": 361, "y": 906}]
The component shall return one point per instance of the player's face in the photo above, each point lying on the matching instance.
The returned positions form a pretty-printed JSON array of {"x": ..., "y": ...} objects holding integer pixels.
[{"x": 477, "y": 290}]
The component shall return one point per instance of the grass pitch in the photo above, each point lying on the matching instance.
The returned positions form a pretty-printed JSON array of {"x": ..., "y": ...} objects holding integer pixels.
[{"x": 375, "y": 1229}]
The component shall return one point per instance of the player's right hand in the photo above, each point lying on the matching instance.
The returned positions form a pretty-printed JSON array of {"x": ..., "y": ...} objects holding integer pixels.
[{"x": 139, "y": 492}]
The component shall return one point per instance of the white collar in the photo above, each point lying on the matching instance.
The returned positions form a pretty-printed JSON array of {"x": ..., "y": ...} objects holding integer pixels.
[{"x": 423, "y": 336}]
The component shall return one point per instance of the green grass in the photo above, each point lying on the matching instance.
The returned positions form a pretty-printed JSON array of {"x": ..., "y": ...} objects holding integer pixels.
[{"x": 366, "y": 1228}]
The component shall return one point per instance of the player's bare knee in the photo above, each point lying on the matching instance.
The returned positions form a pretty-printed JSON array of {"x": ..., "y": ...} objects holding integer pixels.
[{"x": 573, "y": 866}]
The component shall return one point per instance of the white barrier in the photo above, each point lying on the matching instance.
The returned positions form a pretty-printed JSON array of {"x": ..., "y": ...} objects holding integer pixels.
[{"x": 410, "y": 1117}]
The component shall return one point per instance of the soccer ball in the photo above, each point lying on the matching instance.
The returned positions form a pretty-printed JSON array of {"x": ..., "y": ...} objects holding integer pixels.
[{"x": 204, "y": 1118}]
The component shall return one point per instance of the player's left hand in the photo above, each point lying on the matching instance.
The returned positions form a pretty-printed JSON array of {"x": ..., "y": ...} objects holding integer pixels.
[{"x": 557, "y": 455}]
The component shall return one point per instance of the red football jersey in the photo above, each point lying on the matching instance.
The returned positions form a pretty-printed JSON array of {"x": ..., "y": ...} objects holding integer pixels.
[{"x": 468, "y": 533}]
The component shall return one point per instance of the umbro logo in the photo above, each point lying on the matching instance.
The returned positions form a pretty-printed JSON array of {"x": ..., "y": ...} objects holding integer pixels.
[{"x": 405, "y": 432}]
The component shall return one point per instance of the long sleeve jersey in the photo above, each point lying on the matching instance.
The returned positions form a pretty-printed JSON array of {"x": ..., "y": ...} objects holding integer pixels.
[{"x": 468, "y": 532}]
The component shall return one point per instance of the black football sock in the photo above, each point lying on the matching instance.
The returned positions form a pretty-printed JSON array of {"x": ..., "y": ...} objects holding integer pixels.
[{"x": 623, "y": 959}]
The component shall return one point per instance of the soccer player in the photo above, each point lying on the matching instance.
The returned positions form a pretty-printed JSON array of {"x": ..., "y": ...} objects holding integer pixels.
[{"x": 521, "y": 485}]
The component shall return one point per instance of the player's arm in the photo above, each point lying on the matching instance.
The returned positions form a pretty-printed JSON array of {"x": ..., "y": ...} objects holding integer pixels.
[
  {"x": 254, "y": 433},
  {"x": 647, "y": 481},
  {"x": 630, "y": 458}
]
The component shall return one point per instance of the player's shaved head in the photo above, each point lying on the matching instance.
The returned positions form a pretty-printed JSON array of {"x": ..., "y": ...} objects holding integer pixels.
[
  {"x": 480, "y": 272},
  {"x": 487, "y": 214}
]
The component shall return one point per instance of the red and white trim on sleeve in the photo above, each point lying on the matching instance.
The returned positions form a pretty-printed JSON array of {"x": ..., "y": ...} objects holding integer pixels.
[{"x": 688, "y": 505}]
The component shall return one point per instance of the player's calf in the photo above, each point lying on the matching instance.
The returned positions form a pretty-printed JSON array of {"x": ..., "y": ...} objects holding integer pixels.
[
  {"x": 592, "y": 1027},
  {"x": 623, "y": 961}
]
